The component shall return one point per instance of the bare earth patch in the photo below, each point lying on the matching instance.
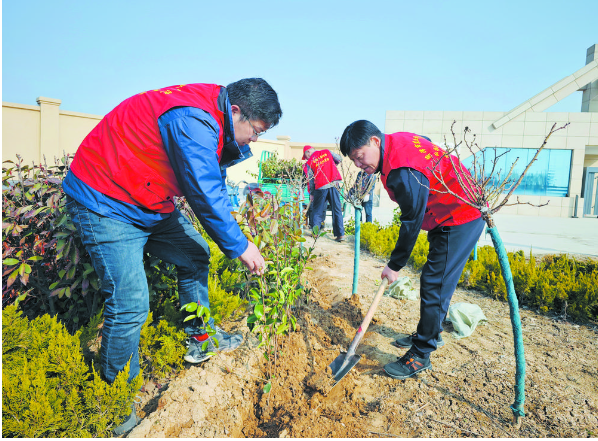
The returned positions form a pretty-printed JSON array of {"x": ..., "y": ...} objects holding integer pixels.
[{"x": 468, "y": 392}]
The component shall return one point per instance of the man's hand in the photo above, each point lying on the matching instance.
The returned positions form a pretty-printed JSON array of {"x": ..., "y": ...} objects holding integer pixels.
[
  {"x": 253, "y": 260},
  {"x": 389, "y": 274}
]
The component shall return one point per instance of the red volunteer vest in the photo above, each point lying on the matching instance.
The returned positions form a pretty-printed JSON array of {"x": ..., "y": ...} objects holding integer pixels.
[
  {"x": 123, "y": 156},
  {"x": 404, "y": 149},
  {"x": 322, "y": 164}
]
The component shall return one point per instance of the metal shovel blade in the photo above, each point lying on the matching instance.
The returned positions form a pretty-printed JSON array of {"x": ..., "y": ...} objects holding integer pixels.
[{"x": 337, "y": 364}]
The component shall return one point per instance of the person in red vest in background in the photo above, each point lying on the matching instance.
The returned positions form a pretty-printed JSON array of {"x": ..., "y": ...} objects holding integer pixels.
[
  {"x": 405, "y": 162},
  {"x": 323, "y": 178},
  {"x": 121, "y": 189}
]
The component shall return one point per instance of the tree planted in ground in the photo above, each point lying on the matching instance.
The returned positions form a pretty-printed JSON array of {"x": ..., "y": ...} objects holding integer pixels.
[
  {"x": 275, "y": 228},
  {"x": 488, "y": 188},
  {"x": 355, "y": 187}
]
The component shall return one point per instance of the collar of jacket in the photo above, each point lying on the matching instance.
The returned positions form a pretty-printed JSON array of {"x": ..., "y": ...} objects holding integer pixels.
[
  {"x": 232, "y": 153},
  {"x": 379, "y": 169}
]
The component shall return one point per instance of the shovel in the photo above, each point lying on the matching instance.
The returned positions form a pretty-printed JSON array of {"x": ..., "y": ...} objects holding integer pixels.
[{"x": 344, "y": 362}]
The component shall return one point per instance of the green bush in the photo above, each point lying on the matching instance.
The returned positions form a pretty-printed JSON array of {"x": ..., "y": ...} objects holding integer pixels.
[
  {"x": 380, "y": 241},
  {"x": 557, "y": 284},
  {"x": 275, "y": 169},
  {"x": 349, "y": 225},
  {"x": 48, "y": 390},
  {"x": 43, "y": 257},
  {"x": 161, "y": 348},
  {"x": 44, "y": 263},
  {"x": 419, "y": 255}
]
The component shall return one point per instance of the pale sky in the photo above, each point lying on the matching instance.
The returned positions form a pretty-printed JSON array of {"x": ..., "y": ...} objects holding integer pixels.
[{"x": 331, "y": 62}]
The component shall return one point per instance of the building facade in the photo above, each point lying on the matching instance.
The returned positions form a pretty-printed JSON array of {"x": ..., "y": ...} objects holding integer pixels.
[{"x": 564, "y": 177}]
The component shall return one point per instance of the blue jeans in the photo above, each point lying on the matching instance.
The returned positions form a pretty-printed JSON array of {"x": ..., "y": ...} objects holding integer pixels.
[
  {"x": 368, "y": 207},
  {"x": 117, "y": 250}
]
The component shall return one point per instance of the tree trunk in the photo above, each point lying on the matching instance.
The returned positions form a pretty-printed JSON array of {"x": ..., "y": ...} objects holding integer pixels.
[
  {"x": 357, "y": 248},
  {"x": 517, "y": 406}
]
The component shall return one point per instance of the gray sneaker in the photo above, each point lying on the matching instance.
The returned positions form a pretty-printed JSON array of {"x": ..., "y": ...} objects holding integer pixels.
[
  {"x": 127, "y": 425},
  {"x": 226, "y": 342},
  {"x": 407, "y": 342}
]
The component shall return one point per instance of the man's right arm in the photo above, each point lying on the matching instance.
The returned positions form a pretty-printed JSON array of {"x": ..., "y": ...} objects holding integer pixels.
[
  {"x": 190, "y": 137},
  {"x": 410, "y": 188}
]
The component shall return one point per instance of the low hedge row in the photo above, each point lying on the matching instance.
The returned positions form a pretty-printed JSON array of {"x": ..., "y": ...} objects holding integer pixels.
[
  {"x": 553, "y": 284},
  {"x": 48, "y": 390}
]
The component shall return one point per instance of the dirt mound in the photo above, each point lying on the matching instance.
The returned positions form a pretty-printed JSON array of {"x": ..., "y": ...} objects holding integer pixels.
[{"x": 468, "y": 392}]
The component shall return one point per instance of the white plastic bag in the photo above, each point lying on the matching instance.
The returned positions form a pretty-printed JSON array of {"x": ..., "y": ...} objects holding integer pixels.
[
  {"x": 402, "y": 288},
  {"x": 465, "y": 317}
]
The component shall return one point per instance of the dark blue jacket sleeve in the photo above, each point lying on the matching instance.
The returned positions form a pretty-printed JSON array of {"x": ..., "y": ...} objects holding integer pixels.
[
  {"x": 410, "y": 188},
  {"x": 190, "y": 137}
]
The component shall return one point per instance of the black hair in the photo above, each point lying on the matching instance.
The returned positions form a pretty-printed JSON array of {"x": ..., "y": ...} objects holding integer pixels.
[
  {"x": 257, "y": 100},
  {"x": 358, "y": 134}
]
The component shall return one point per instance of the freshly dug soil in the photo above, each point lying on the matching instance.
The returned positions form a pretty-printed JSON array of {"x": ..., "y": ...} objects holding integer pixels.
[{"x": 466, "y": 394}]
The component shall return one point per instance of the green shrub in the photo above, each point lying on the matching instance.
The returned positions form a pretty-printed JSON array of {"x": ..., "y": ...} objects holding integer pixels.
[
  {"x": 556, "y": 284},
  {"x": 381, "y": 241},
  {"x": 350, "y": 226},
  {"x": 485, "y": 274},
  {"x": 275, "y": 169},
  {"x": 419, "y": 255},
  {"x": 223, "y": 304},
  {"x": 48, "y": 389},
  {"x": 161, "y": 348}
]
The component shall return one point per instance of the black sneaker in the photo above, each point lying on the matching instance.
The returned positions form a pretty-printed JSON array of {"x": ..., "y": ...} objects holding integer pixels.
[
  {"x": 407, "y": 366},
  {"x": 407, "y": 342},
  {"x": 127, "y": 425},
  {"x": 226, "y": 342}
]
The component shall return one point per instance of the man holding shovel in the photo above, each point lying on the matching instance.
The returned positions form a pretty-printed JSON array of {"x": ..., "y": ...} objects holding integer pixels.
[
  {"x": 409, "y": 166},
  {"x": 121, "y": 189}
]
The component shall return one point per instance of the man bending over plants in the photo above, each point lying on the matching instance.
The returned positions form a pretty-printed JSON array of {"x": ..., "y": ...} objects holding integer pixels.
[
  {"x": 121, "y": 189},
  {"x": 322, "y": 177},
  {"x": 409, "y": 167}
]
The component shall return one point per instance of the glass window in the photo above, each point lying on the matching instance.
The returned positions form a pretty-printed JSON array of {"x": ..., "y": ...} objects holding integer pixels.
[{"x": 548, "y": 175}]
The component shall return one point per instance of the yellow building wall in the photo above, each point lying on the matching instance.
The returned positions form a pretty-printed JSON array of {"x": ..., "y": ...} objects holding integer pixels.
[
  {"x": 590, "y": 161},
  {"x": 45, "y": 130},
  {"x": 20, "y": 132}
]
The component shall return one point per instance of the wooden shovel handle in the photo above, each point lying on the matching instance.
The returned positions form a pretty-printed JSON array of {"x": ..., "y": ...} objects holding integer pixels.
[{"x": 367, "y": 319}]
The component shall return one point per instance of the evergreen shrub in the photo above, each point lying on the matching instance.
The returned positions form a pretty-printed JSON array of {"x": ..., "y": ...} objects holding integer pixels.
[
  {"x": 48, "y": 391},
  {"x": 556, "y": 283},
  {"x": 161, "y": 348}
]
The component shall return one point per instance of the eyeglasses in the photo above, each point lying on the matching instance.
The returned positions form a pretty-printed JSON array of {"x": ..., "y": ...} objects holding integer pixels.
[{"x": 257, "y": 135}]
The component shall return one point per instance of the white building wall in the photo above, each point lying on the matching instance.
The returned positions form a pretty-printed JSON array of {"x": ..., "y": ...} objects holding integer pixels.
[{"x": 527, "y": 130}]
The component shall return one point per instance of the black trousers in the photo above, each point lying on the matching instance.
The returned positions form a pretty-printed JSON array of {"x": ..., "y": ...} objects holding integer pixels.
[
  {"x": 450, "y": 248},
  {"x": 319, "y": 209}
]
